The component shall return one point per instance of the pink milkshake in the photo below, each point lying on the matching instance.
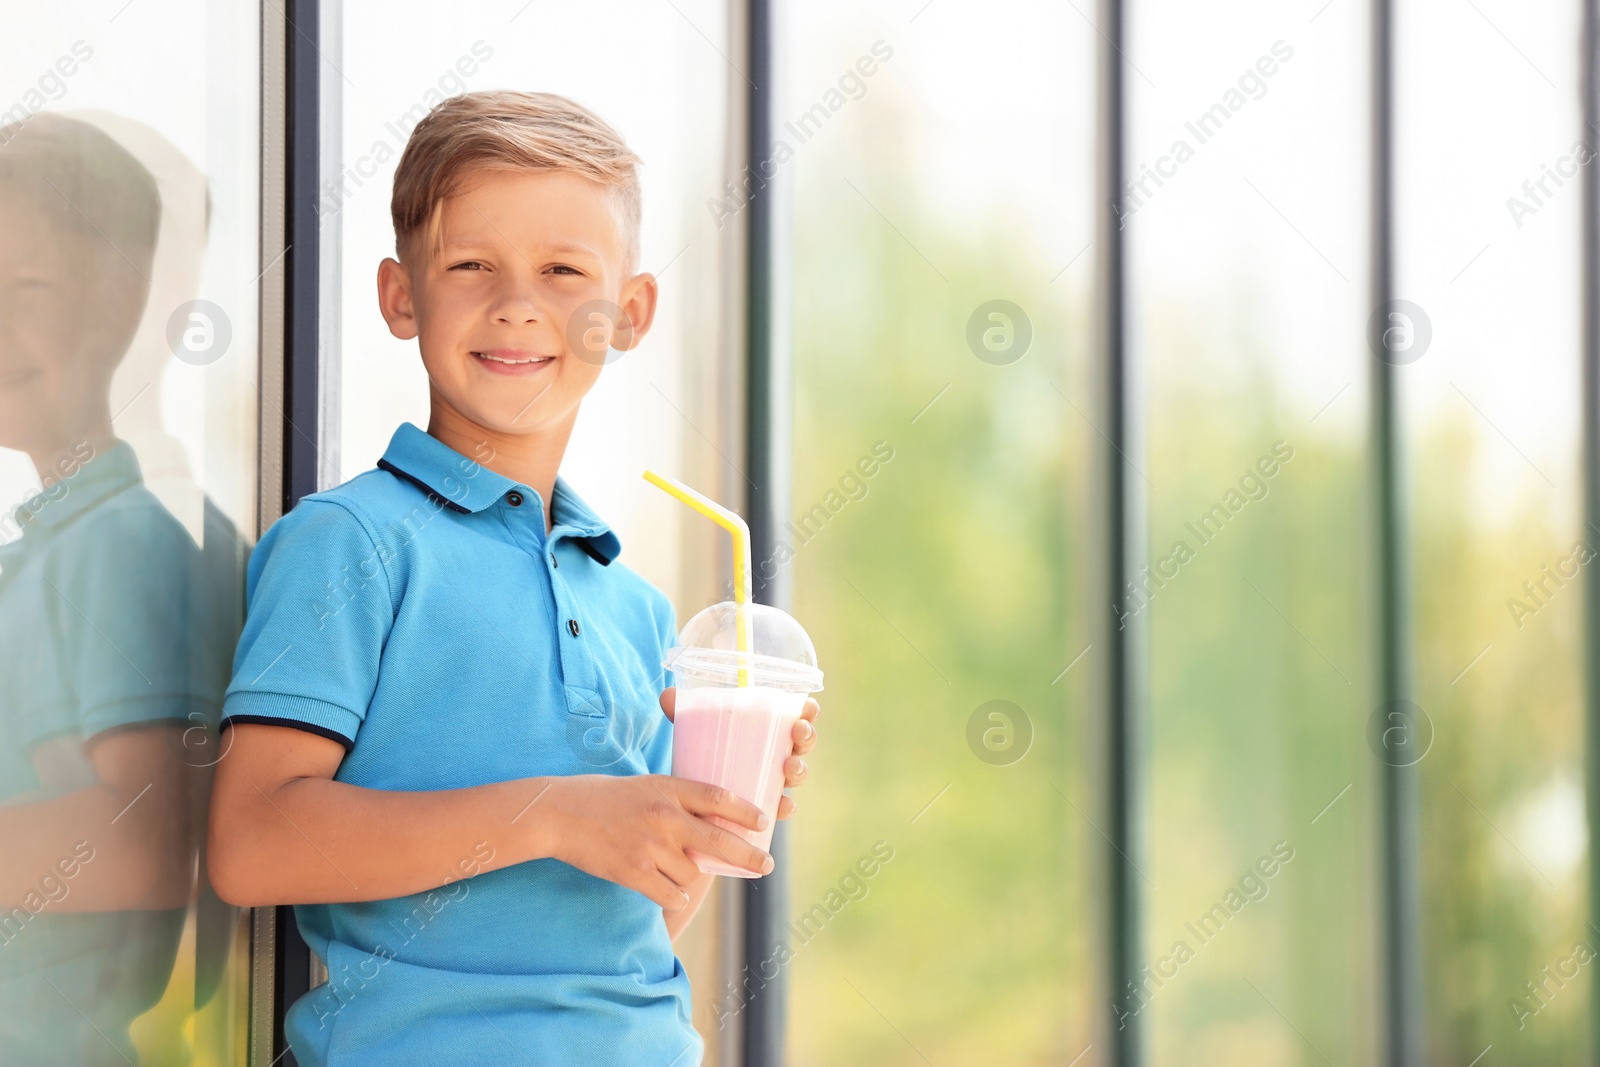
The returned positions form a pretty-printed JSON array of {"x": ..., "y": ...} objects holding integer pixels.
[
  {"x": 735, "y": 713},
  {"x": 737, "y": 738}
]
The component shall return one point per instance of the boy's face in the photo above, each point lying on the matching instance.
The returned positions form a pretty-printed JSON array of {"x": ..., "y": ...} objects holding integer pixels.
[{"x": 522, "y": 251}]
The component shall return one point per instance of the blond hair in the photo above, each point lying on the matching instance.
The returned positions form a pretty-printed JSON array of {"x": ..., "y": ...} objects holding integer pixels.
[{"x": 506, "y": 130}]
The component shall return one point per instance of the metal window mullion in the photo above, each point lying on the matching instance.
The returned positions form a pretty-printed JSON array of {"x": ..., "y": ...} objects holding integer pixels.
[
  {"x": 330, "y": 244},
  {"x": 1398, "y": 807},
  {"x": 264, "y": 1018},
  {"x": 1590, "y": 464},
  {"x": 1119, "y": 514},
  {"x": 301, "y": 424},
  {"x": 302, "y": 261},
  {"x": 767, "y": 457}
]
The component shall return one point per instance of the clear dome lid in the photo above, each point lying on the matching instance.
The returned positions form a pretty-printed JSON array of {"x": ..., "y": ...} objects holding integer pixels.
[{"x": 780, "y": 655}]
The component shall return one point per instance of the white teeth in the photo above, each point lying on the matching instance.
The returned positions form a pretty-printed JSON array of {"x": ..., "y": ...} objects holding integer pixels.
[{"x": 514, "y": 362}]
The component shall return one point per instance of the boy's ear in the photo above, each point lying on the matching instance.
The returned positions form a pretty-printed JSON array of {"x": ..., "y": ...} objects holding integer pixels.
[
  {"x": 638, "y": 305},
  {"x": 394, "y": 299}
]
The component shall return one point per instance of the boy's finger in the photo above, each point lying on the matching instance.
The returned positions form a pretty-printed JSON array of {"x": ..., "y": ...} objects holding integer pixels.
[
  {"x": 664, "y": 891},
  {"x": 669, "y": 702},
  {"x": 679, "y": 868},
  {"x": 704, "y": 799},
  {"x": 730, "y": 848},
  {"x": 794, "y": 771},
  {"x": 785, "y": 806},
  {"x": 811, "y": 709},
  {"x": 804, "y": 736}
]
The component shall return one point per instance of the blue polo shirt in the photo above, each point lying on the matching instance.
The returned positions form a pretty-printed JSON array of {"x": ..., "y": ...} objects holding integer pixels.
[{"x": 420, "y": 615}]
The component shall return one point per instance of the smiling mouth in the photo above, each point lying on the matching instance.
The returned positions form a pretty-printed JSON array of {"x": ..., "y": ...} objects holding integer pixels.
[{"x": 491, "y": 357}]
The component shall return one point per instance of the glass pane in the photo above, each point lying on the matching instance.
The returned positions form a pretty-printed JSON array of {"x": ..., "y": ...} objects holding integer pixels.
[
  {"x": 129, "y": 170},
  {"x": 1248, "y": 217},
  {"x": 942, "y": 165},
  {"x": 1492, "y": 152},
  {"x": 669, "y": 405}
]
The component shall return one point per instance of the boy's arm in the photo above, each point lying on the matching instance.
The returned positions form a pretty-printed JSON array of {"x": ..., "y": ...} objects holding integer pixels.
[{"x": 283, "y": 832}]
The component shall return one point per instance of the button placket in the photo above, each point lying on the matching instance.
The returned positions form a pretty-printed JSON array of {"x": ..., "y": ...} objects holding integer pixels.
[
  {"x": 579, "y": 671},
  {"x": 523, "y": 517},
  {"x": 558, "y": 587}
]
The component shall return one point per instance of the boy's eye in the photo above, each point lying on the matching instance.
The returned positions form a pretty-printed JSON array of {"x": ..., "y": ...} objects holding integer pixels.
[
  {"x": 470, "y": 264},
  {"x": 562, "y": 268}
]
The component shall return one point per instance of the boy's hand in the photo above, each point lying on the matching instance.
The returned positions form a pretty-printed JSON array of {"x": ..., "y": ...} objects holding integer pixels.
[
  {"x": 804, "y": 736},
  {"x": 633, "y": 830}
]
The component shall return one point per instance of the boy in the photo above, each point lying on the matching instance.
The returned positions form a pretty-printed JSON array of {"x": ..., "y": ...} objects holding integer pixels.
[{"x": 433, "y": 648}]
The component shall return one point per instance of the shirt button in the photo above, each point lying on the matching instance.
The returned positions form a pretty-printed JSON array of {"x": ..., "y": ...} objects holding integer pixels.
[
  {"x": 572, "y": 627},
  {"x": 514, "y": 499},
  {"x": 553, "y": 561}
]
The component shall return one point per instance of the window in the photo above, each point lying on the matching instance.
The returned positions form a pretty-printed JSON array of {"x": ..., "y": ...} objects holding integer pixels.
[
  {"x": 1488, "y": 249},
  {"x": 939, "y": 893},
  {"x": 129, "y": 266}
]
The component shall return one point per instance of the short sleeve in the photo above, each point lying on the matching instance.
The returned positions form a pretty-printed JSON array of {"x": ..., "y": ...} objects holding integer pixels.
[{"x": 319, "y": 608}]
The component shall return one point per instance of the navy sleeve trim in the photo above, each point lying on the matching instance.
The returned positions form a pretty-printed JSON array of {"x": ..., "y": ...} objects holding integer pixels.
[{"x": 271, "y": 720}]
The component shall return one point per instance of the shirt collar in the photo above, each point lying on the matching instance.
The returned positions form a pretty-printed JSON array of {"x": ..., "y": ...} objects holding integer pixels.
[
  {"x": 101, "y": 477},
  {"x": 467, "y": 486}
]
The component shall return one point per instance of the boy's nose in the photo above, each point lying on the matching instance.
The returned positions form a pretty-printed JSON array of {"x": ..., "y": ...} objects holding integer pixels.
[{"x": 516, "y": 306}]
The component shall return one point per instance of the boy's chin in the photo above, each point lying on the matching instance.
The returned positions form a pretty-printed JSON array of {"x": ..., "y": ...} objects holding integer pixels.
[{"x": 534, "y": 416}]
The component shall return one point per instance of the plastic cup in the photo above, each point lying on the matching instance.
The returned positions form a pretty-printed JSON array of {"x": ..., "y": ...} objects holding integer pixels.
[{"x": 738, "y": 735}]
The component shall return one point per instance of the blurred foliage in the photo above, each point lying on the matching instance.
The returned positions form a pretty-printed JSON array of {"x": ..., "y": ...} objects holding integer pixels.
[
  {"x": 1502, "y": 818},
  {"x": 959, "y": 579},
  {"x": 950, "y": 584}
]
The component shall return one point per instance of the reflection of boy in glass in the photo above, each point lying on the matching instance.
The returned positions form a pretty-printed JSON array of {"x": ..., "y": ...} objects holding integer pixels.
[{"x": 105, "y": 609}]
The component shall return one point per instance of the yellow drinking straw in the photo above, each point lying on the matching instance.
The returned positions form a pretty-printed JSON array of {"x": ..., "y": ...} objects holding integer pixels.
[{"x": 734, "y": 523}]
